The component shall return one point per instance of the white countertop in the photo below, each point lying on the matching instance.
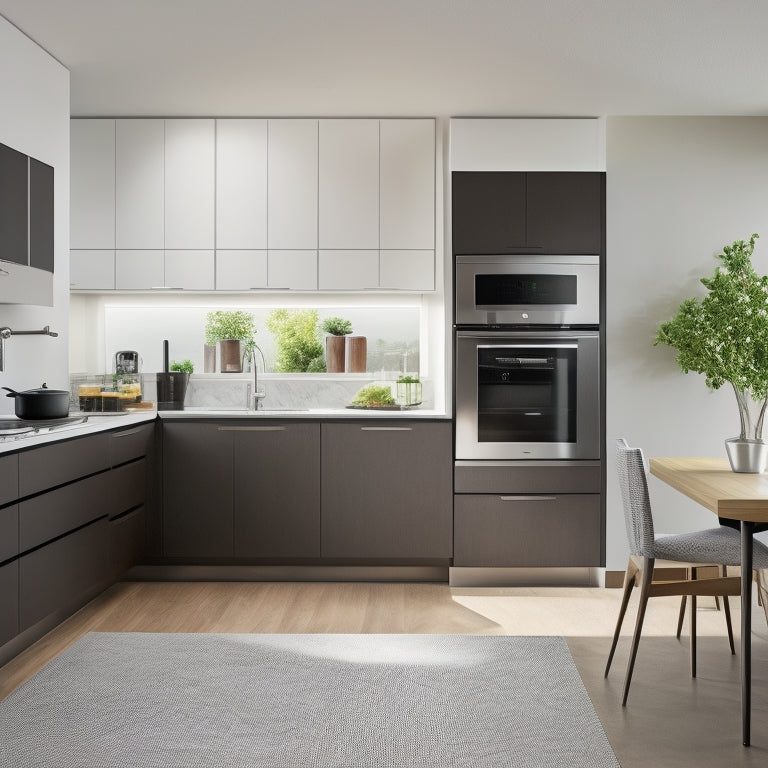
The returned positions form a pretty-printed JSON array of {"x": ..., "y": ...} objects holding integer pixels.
[
  {"x": 93, "y": 423},
  {"x": 309, "y": 413}
]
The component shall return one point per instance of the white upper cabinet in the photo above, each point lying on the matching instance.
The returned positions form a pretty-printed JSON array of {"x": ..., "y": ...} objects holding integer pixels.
[
  {"x": 292, "y": 270},
  {"x": 139, "y": 270},
  {"x": 241, "y": 270},
  {"x": 190, "y": 153},
  {"x": 241, "y": 184},
  {"x": 407, "y": 184},
  {"x": 189, "y": 270},
  {"x": 348, "y": 270},
  {"x": 92, "y": 187},
  {"x": 292, "y": 184},
  {"x": 139, "y": 184},
  {"x": 349, "y": 184}
]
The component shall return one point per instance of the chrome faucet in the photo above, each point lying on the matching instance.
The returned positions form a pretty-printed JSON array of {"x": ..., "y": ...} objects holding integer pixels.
[
  {"x": 6, "y": 333},
  {"x": 254, "y": 398}
]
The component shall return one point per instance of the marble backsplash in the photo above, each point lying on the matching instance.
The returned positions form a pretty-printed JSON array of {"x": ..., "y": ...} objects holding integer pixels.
[{"x": 222, "y": 391}]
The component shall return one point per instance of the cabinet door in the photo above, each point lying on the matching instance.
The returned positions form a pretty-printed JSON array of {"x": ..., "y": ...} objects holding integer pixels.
[
  {"x": 190, "y": 153},
  {"x": 91, "y": 270},
  {"x": 386, "y": 490},
  {"x": 139, "y": 184},
  {"x": 292, "y": 184},
  {"x": 9, "y": 532},
  {"x": 92, "y": 184},
  {"x": 407, "y": 207},
  {"x": 40, "y": 215},
  {"x": 407, "y": 270},
  {"x": 277, "y": 490},
  {"x": 9, "y": 478},
  {"x": 488, "y": 212},
  {"x": 14, "y": 205},
  {"x": 190, "y": 270},
  {"x": 241, "y": 270},
  {"x": 9, "y": 601},
  {"x": 139, "y": 270},
  {"x": 241, "y": 184},
  {"x": 348, "y": 270},
  {"x": 197, "y": 491},
  {"x": 527, "y": 530},
  {"x": 348, "y": 182},
  {"x": 292, "y": 270},
  {"x": 565, "y": 212}
]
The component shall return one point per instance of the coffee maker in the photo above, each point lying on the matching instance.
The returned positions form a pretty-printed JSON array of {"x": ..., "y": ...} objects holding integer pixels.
[{"x": 127, "y": 362}]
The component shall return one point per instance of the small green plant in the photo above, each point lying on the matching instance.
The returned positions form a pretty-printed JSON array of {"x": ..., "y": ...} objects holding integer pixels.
[
  {"x": 236, "y": 324},
  {"x": 408, "y": 380},
  {"x": 185, "y": 366},
  {"x": 337, "y": 326},
  {"x": 298, "y": 339},
  {"x": 374, "y": 395}
]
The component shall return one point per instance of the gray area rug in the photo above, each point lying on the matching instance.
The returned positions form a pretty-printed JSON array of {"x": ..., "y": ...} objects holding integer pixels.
[{"x": 141, "y": 700}]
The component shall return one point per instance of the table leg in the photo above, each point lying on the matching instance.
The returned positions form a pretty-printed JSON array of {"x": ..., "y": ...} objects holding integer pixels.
[{"x": 747, "y": 530}]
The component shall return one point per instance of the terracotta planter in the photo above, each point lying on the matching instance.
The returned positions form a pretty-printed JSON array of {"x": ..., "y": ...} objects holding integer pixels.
[
  {"x": 230, "y": 356},
  {"x": 357, "y": 354},
  {"x": 335, "y": 347}
]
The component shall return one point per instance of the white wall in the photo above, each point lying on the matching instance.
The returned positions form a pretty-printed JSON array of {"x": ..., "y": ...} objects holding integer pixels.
[
  {"x": 34, "y": 119},
  {"x": 678, "y": 189}
]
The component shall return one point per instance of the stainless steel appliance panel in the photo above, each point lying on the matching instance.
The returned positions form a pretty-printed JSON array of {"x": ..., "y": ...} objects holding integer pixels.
[
  {"x": 527, "y": 395},
  {"x": 528, "y": 290}
]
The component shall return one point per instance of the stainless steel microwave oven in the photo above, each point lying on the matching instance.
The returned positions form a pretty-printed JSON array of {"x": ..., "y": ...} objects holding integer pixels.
[{"x": 527, "y": 290}]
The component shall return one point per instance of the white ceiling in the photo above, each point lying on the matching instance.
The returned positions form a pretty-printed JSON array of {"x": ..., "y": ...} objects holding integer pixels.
[{"x": 405, "y": 57}]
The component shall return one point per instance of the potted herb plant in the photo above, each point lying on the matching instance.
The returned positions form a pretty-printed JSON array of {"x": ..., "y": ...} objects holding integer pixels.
[
  {"x": 725, "y": 337},
  {"x": 408, "y": 390},
  {"x": 233, "y": 331},
  {"x": 335, "y": 343}
]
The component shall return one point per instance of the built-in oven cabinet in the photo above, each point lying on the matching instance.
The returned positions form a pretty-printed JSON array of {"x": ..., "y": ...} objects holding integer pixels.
[
  {"x": 501, "y": 212},
  {"x": 527, "y": 530}
]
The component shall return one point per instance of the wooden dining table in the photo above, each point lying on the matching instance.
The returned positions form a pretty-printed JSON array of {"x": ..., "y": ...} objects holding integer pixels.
[{"x": 734, "y": 495}]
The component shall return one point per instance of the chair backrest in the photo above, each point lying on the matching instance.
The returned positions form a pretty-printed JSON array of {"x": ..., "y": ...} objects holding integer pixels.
[{"x": 634, "y": 495}]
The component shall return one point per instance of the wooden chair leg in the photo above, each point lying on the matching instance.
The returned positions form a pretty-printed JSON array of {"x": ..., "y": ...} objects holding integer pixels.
[
  {"x": 693, "y": 627},
  {"x": 630, "y": 577},
  {"x": 681, "y": 615},
  {"x": 645, "y": 586},
  {"x": 727, "y": 610}
]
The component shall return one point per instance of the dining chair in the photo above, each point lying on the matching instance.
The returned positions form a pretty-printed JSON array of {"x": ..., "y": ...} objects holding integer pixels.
[{"x": 719, "y": 547}]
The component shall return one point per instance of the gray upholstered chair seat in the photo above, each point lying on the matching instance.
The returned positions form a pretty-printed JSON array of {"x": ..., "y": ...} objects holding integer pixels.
[{"x": 713, "y": 545}]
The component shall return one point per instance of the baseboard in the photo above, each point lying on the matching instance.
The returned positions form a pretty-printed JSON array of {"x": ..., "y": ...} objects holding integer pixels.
[{"x": 525, "y": 577}]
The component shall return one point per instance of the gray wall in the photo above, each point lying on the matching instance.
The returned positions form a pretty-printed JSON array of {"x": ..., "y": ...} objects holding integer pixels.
[{"x": 678, "y": 189}]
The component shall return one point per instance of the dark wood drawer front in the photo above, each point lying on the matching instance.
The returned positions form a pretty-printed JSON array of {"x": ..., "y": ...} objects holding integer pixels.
[
  {"x": 52, "y": 465},
  {"x": 128, "y": 487},
  {"x": 9, "y": 478},
  {"x": 52, "y": 514},
  {"x": 55, "y": 577},
  {"x": 129, "y": 444},
  {"x": 9, "y": 532},
  {"x": 527, "y": 531},
  {"x": 9, "y": 601},
  {"x": 527, "y": 477},
  {"x": 126, "y": 541}
]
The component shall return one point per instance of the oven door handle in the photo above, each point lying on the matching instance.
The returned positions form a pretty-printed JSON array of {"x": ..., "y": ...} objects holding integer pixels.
[{"x": 528, "y": 498}]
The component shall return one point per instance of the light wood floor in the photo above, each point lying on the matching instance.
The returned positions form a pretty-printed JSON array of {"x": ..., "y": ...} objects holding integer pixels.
[{"x": 671, "y": 720}]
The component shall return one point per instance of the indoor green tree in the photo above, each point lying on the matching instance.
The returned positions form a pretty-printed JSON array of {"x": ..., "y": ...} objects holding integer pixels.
[{"x": 725, "y": 334}]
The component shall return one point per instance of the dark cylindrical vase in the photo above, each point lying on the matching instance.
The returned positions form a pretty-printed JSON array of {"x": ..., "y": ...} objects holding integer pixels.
[
  {"x": 357, "y": 358},
  {"x": 171, "y": 390},
  {"x": 230, "y": 356}
]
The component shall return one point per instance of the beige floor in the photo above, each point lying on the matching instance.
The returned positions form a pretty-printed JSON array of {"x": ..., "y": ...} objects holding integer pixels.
[{"x": 671, "y": 720}]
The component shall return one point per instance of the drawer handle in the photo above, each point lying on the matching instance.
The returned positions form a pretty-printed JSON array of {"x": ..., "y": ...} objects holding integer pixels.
[
  {"x": 127, "y": 432},
  {"x": 528, "y": 498},
  {"x": 251, "y": 429},
  {"x": 387, "y": 429}
]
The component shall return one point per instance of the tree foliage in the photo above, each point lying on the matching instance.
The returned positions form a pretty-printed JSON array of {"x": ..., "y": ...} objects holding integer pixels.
[{"x": 298, "y": 340}]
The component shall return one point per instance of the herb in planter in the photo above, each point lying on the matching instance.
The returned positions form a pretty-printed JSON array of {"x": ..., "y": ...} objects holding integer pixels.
[
  {"x": 185, "y": 366},
  {"x": 222, "y": 326},
  {"x": 337, "y": 326},
  {"x": 374, "y": 395}
]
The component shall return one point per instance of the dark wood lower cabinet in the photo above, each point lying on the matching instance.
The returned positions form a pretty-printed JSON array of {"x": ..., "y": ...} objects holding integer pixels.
[
  {"x": 56, "y": 576},
  {"x": 9, "y": 601},
  {"x": 526, "y": 530},
  {"x": 387, "y": 490},
  {"x": 126, "y": 541},
  {"x": 277, "y": 491}
]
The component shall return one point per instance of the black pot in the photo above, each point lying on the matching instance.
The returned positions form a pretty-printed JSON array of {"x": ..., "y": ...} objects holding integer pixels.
[
  {"x": 171, "y": 390},
  {"x": 40, "y": 403}
]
